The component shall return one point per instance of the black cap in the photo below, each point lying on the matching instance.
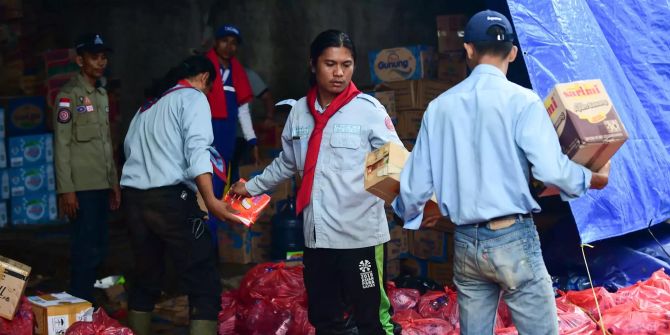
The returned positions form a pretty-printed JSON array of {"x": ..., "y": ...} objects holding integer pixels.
[
  {"x": 479, "y": 24},
  {"x": 92, "y": 43}
]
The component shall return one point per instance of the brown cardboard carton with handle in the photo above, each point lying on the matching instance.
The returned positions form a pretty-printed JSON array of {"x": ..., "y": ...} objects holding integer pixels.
[
  {"x": 588, "y": 126},
  {"x": 13, "y": 277}
]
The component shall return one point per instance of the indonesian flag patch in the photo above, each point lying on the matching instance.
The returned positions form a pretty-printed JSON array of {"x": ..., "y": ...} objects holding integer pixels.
[{"x": 64, "y": 102}]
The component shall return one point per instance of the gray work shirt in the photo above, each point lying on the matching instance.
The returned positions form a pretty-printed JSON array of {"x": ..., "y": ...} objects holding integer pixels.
[{"x": 341, "y": 214}]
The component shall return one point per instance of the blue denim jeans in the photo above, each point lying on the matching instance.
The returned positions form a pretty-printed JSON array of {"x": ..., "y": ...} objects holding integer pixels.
[{"x": 490, "y": 264}]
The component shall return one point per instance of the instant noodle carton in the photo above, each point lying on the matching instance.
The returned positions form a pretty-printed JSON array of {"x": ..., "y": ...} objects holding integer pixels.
[
  {"x": 403, "y": 63},
  {"x": 30, "y": 150},
  {"x": 34, "y": 179},
  {"x": 588, "y": 126},
  {"x": 249, "y": 209},
  {"x": 34, "y": 208}
]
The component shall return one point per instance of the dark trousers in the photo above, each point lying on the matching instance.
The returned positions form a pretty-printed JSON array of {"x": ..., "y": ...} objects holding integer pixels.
[
  {"x": 89, "y": 240},
  {"x": 349, "y": 282},
  {"x": 163, "y": 222}
]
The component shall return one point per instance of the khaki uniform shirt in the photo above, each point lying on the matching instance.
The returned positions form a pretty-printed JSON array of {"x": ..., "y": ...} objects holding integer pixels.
[{"x": 83, "y": 146}]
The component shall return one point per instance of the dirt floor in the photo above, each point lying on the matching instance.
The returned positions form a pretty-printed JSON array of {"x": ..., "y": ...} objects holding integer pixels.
[{"x": 46, "y": 249}]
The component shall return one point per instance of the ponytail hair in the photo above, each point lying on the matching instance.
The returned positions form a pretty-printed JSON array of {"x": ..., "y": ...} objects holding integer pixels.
[
  {"x": 328, "y": 39},
  {"x": 187, "y": 68}
]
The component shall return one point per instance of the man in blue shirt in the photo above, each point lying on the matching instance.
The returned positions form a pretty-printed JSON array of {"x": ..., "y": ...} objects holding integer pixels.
[{"x": 473, "y": 150}]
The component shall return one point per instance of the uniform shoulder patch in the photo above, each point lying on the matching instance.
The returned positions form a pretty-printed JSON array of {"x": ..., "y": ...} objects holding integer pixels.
[{"x": 64, "y": 115}]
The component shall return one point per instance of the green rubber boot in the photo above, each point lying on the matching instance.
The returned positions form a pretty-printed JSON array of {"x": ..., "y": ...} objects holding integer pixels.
[
  {"x": 203, "y": 327},
  {"x": 139, "y": 322}
]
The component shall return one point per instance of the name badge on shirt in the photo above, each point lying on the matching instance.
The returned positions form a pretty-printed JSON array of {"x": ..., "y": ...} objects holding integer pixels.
[
  {"x": 300, "y": 132},
  {"x": 347, "y": 128}
]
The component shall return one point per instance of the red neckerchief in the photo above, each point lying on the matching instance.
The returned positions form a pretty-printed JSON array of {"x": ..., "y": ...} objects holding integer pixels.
[
  {"x": 217, "y": 97},
  {"x": 320, "y": 122}
]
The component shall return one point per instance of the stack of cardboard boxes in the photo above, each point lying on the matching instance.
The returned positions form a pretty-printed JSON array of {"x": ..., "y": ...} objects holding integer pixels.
[
  {"x": 418, "y": 74},
  {"x": 414, "y": 76},
  {"x": 27, "y": 177}
]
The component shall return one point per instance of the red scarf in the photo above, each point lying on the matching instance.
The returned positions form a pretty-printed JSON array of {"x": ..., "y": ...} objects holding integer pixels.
[
  {"x": 314, "y": 144},
  {"x": 217, "y": 97}
]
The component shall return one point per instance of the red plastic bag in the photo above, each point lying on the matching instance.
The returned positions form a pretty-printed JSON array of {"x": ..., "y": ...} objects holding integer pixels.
[
  {"x": 660, "y": 280},
  {"x": 626, "y": 319},
  {"x": 262, "y": 317},
  {"x": 22, "y": 323},
  {"x": 228, "y": 313},
  {"x": 431, "y": 326},
  {"x": 101, "y": 325},
  {"x": 643, "y": 293},
  {"x": 573, "y": 320},
  {"x": 436, "y": 304},
  {"x": 503, "y": 317},
  {"x": 275, "y": 282},
  {"x": 299, "y": 323},
  {"x": 406, "y": 315},
  {"x": 402, "y": 298},
  {"x": 585, "y": 300},
  {"x": 506, "y": 331}
]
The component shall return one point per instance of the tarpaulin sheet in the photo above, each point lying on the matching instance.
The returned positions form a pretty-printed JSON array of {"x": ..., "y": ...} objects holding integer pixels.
[{"x": 563, "y": 41}]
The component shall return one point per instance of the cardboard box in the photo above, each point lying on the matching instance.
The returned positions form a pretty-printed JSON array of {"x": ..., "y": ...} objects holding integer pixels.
[
  {"x": 13, "y": 278},
  {"x": 234, "y": 243},
  {"x": 382, "y": 173},
  {"x": 3, "y": 132},
  {"x": 398, "y": 245},
  {"x": 451, "y": 67},
  {"x": 416, "y": 94},
  {"x": 403, "y": 63},
  {"x": 54, "y": 313},
  {"x": 448, "y": 27},
  {"x": 26, "y": 116},
  {"x": 3, "y": 154},
  {"x": 34, "y": 208},
  {"x": 430, "y": 245},
  {"x": 409, "y": 123},
  {"x": 387, "y": 99},
  {"x": 441, "y": 272},
  {"x": 261, "y": 242},
  {"x": 414, "y": 267},
  {"x": 31, "y": 180},
  {"x": 588, "y": 126},
  {"x": 4, "y": 215},
  {"x": 392, "y": 270},
  {"x": 444, "y": 225},
  {"x": 31, "y": 150},
  {"x": 4, "y": 185}
]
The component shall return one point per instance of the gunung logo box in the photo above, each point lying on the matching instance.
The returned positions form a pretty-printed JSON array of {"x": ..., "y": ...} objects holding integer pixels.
[
  {"x": 405, "y": 63},
  {"x": 588, "y": 126}
]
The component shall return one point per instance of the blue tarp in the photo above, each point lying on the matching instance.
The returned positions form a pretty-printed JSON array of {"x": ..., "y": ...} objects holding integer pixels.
[{"x": 625, "y": 44}]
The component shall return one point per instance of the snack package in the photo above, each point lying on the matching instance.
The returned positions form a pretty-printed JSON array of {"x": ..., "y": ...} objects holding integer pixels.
[{"x": 249, "y": 209}]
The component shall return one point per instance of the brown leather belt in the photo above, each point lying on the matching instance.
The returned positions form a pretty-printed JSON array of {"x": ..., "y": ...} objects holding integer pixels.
[{"x": 502, "y": 222}]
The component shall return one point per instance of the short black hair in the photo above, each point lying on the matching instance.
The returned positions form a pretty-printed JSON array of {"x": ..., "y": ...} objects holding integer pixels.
[{"x": 494, "y": 48}]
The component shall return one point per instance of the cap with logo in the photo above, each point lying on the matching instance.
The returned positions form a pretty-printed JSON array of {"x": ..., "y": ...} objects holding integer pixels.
[
  {"x": 228, "y": 30},
  {"x": 479, "y": 24},
  {"x": 92, "y": 43}
]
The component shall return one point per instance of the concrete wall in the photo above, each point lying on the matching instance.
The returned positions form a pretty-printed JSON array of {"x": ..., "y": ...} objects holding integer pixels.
[{"x": 150, "y": 36}]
